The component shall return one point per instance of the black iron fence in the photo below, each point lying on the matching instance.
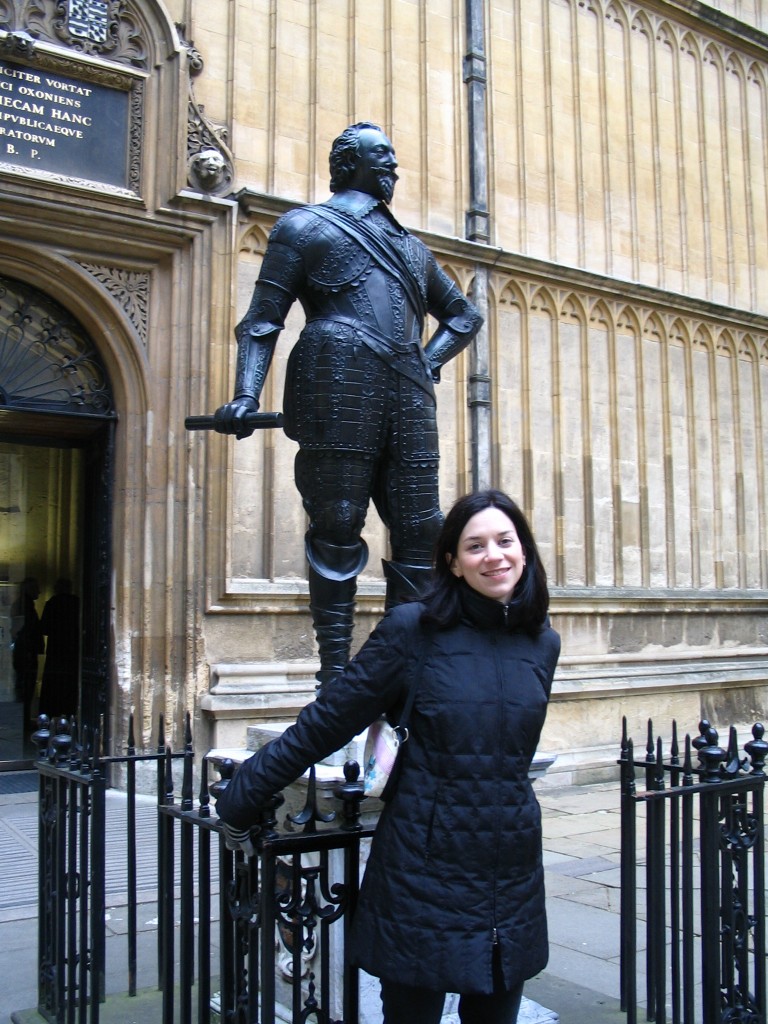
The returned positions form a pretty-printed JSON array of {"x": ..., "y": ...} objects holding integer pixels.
[
  {"x": 221, "y": 917},
  {"x": 693, "y": 879}
]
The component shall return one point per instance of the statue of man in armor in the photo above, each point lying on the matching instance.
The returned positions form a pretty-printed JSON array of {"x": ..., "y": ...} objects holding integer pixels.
[{"x": 359, "y": 391}]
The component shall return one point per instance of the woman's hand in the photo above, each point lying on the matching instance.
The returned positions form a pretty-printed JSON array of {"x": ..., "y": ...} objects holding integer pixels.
[{"x": 240, "y": 838}]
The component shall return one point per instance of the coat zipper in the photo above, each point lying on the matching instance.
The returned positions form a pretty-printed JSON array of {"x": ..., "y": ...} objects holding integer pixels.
[{"x": 499, "y": 682}]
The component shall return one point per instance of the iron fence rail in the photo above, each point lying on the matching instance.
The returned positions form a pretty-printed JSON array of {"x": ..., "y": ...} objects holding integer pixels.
[
  {"x": 72, "y": 866},
  {"x": 221, "y": 916},
  {"x": 704, "y": 829}
]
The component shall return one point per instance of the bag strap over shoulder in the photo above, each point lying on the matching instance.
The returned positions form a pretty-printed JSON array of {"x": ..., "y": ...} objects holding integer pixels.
[{"x": 402, "y": 728}]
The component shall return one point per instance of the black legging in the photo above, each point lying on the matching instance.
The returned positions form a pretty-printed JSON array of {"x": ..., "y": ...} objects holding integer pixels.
[
  {"x": 404, "y": 1004},
  {"x": 409, "y": 1004}
]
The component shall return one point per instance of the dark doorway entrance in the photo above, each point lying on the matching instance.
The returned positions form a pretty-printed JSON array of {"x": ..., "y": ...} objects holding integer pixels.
[{"x": 56, "y": 447}]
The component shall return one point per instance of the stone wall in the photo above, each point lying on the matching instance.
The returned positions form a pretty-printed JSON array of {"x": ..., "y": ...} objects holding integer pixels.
[
  {"x": 620, "y": 390},
  {"x": 627, "y": 361}
]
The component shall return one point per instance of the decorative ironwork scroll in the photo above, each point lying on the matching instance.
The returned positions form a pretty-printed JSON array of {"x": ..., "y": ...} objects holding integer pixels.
[
  {"x": 712, "y": 971},
  {"x": 47, "y": 361}
]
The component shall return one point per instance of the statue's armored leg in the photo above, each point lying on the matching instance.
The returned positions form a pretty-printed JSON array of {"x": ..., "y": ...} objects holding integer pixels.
[
  {"x": 333, "y": 570},
  {"x": 404, "y": 582}
]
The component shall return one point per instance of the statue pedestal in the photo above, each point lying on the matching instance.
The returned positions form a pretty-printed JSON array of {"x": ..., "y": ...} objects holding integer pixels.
[{"x": 242, "y": 695}]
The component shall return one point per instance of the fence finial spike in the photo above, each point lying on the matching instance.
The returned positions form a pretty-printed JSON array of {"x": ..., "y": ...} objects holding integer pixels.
[
  {"x": 674, "y": 749},
  {"x": 659, "y": 780},
  {"x": 688, "y": 762},
  {"x": 649, "y": 754},
  {"x": 733, "y": 764},
  {"x": 168, "y": 777},
  {"x": 310, "y": 814},
  {"x": 204, "y": 796},
  {"x": 631, "y": 766},
  {"x": 757, "y": 749}
]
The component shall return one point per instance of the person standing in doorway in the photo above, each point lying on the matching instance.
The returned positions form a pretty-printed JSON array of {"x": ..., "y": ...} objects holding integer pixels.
[
  {"x": 60, "y": 624},
  {"x": 453, "y": 894},
  {"x": 27, "y": 644}
]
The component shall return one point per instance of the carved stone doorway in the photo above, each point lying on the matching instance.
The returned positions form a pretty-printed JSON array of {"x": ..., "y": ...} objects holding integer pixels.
[{"x": 56, "y": 457}]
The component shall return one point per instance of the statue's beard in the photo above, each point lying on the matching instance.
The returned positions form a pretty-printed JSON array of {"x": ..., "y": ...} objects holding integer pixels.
[{"x": 386, "y": 182}]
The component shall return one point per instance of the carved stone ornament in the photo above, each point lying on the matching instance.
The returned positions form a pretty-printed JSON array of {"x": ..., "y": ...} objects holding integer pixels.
[
  {"x": 210, "y": 162},
  {"x": 195, "y": 61},
  {"x": 100, "y": 28},
  {"x": 209, "y": 171},
  {"x": 129, "y": 288},
  {"x": 17, "y": 44}
]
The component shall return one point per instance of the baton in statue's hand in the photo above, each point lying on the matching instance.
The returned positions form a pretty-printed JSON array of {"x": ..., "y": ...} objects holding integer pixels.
[{"x": 253, "y": 420}]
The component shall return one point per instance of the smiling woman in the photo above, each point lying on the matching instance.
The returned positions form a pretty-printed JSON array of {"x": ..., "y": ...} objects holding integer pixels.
[
  {"x": 486, "y": 542},
  {"x": 490, "y": 556},
  {"x": 476, "y": 657}
]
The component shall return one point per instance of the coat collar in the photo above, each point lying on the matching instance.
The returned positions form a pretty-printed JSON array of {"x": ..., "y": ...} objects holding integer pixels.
[{"x": 484, "y": 612}]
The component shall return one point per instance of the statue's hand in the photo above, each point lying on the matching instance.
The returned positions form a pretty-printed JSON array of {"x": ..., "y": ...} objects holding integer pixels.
[{"x": 230, "y": 418}]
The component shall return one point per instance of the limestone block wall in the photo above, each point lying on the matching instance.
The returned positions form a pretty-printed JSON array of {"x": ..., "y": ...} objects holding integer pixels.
[
  {"x": 627, "y": 371},
  {"x": 752, "y": 12},
  {"x": 633, "y": 428},
  {"x": 629, "y": 139},
  {"x": 625, "y": 138}
]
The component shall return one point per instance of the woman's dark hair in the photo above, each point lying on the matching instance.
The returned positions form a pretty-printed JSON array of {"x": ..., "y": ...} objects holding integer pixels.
[
  {"x": 443, "y": 599},
  {"x": 344, "y": 153}
]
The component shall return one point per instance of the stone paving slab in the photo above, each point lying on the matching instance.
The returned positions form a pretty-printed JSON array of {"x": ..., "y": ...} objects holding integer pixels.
[
  {"x": 575, "y": 825},
  {"x": 593, "y": 894},
  {"x": 563, "y": 885},
  {"x": 583, "y": 976},
  {"x": 583, "y": 868},
  {"x": 578, "y": 1003},
  {"x": 581, "y": 847},
  {"x": 588, "y": 799}
]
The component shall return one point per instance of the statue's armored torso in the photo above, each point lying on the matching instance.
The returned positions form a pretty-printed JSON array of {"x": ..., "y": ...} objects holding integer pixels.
[
  {"x": 344, "y": 279},
  {"x": 366, "y": 285}
]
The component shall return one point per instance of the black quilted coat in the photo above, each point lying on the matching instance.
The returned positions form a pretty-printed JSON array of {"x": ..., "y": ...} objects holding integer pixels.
[{"x": 455, "y": 864}]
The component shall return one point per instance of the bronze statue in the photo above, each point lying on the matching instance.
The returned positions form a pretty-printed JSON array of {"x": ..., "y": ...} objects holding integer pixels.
[{"x": 359, "y": 392}]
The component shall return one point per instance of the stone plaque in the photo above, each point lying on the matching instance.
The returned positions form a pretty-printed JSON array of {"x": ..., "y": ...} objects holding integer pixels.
[{"x": 68, "y": 126}]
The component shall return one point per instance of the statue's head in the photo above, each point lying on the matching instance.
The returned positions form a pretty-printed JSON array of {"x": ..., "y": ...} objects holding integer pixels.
[{"x": 363, "y": 158}]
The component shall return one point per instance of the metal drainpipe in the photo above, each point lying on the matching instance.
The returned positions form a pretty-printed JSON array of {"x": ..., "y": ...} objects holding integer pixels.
[{"x": 477, "y": 229}]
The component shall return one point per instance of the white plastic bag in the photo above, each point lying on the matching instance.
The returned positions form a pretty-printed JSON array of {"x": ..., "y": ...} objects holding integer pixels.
[{"x": 381, "y": 747}]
